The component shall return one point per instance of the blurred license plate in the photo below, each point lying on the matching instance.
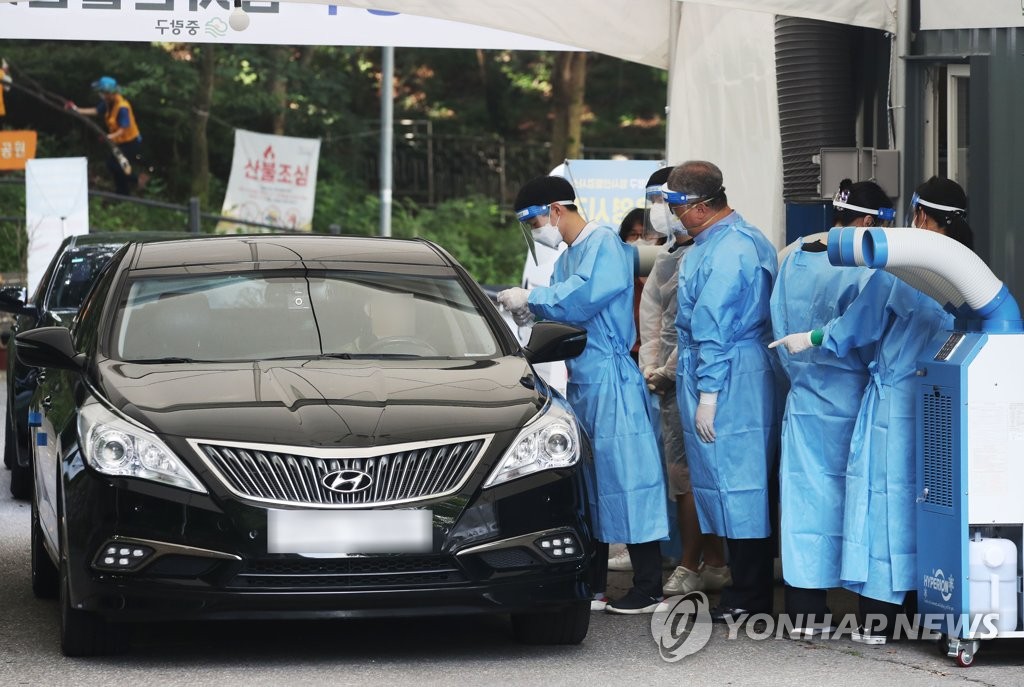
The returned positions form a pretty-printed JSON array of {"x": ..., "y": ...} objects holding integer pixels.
[{"x": 347, "y": 532}]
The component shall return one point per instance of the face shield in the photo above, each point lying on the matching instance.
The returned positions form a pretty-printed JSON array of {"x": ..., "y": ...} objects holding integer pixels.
[
  {"x": 915, "y": 201},
  {"x": 535, "y": 222},
  {"x": 659, "y": 220},
  {"x": 883, "y": 214},
  {"x": 673, "y": 199}
]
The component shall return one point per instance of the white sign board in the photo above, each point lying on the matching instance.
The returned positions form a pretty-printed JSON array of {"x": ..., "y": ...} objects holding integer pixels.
[
  {"x": 271, "y": 23},
  {"x": 976, "y": 14},
  {"x": 273, "y": 181},
  {"x": 56, "y": 206}
]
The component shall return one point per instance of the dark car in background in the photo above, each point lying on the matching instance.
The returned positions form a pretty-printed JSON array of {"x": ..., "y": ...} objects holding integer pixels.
[
  {"x": 286, "y": 426},
  {"x": 55, "y": 302},
  {"x": 61, "y": 289}
]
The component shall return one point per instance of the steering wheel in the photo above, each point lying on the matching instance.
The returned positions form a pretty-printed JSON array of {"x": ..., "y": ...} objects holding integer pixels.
[{"x": 410, "y": 345}]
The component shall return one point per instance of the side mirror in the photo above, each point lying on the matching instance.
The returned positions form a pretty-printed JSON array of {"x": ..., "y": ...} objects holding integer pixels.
[
  {"x": 551, "y": 341},
  {"x": 48, "y": 347},
  {"x": 13, "y": 299}
]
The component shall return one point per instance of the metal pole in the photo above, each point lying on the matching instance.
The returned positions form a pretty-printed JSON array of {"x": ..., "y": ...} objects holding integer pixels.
[
  {"x": 387, "y": 116},
  {"x": 899, "y": 89},
  {"x": 430, "y": 163},
  {"x": 193, "y": 214}
]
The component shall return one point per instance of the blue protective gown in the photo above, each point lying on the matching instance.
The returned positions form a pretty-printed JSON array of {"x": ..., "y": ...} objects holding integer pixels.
[
  {"x": 879, "y": 528},
  {"x": 824, "y": 398},
  {"x": 724, "y": 327},
  {"x": 592, "y": 288}
]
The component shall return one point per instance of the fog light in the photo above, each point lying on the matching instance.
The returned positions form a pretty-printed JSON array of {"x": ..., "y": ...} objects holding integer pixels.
[
  {"x": 114, "y": 556},
  {"x": 561, "y": 546}
]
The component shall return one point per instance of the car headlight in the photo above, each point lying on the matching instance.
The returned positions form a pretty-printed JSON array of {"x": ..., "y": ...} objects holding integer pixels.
[
  {"x": 551, "y": 441},
  {"x": 115, "y": 446}
]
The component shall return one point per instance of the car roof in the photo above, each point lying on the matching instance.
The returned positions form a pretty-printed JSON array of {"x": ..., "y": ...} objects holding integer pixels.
[
  {"x": 233, "y": 249},
  {"x": 116, "y": 239}
]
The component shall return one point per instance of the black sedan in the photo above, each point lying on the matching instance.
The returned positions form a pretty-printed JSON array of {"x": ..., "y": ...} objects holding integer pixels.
[{"x": 303, "y": 426}]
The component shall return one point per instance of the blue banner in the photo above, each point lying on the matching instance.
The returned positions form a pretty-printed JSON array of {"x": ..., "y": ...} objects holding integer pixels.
[{"x": 608, "y": 189}]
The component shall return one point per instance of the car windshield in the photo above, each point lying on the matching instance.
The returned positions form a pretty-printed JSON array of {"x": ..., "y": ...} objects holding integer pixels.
[
  {"x": 266, "y": 316},
  {"x": 75, "y": 274}
]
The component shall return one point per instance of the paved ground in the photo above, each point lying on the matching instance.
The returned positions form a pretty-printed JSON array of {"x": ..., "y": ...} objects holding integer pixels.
[{"x": 444, "y": 651}]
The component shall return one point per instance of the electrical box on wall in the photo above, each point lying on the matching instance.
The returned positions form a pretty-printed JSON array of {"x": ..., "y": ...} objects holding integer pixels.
[{"x": 859, "y": 164}]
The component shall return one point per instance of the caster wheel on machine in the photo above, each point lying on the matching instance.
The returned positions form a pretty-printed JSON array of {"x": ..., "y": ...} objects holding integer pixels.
[{"x": 965, "y": 658}]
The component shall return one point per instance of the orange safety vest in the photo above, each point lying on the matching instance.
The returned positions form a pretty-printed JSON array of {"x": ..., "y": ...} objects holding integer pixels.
[{"x": 131, "y": 132}]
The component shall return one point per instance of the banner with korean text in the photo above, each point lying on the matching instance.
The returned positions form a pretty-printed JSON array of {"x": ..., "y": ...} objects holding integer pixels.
[
  {"x": 608, "y": 189},
  {"x": 16, "y": 148},
  {"x": 272, "y": 23},
  {"x": 273, "y": 181}
]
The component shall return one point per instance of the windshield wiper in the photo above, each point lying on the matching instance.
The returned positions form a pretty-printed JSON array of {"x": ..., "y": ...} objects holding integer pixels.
[
  {"x": 154, "y": 361},
  {"x": 386, "y": 356},
  {"x": 311, "y": 356}
]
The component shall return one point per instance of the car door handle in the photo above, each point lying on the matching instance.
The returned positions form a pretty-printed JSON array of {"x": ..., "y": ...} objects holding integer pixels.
[{"x": 47, "y": 402}]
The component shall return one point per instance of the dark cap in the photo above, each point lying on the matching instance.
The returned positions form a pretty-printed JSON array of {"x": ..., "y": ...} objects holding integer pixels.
[
  {"x": 660, "y": 178},
  {"x": 544, "y": 191}
]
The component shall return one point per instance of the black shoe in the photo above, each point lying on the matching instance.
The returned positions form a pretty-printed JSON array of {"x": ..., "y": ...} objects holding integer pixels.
[
  {"x": 728, "y": 614},
  {"x": 633, "y": 603}
]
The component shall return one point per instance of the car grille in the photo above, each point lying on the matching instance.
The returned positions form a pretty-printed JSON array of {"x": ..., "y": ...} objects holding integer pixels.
[
  {"x": 346, "y": 573},
  {"x": 265, "y": 474}
]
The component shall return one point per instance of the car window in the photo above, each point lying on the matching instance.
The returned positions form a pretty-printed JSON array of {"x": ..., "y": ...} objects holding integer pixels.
[
  {"x": 85, "y": 327},
  {"x": 273, "y": 315},
  {"x": 75, "y": 274}
]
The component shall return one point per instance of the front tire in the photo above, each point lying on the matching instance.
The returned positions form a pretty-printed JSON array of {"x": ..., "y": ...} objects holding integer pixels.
[
  {"x": 21, "y": 477},
  {"x": 567, "y": 625},
  {"x": 21, "y": 482},
  {"x": 10, "y": 448}
]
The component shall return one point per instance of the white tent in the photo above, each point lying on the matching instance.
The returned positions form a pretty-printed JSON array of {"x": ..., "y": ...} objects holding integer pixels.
[{"x": 720, "y": 54}]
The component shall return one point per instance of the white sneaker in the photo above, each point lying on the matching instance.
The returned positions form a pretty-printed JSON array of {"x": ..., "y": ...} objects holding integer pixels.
[
  {"x": 715, "y": 579},
  {"x": 683, "y": 581},
  {"x": 599, "y": 602},
  {"x": 810, "y": 633},
  {"x": 620, "y": 562}
]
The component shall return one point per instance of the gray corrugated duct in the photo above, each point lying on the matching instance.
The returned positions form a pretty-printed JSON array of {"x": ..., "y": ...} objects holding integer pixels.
[{"x": 817, "y": 108}]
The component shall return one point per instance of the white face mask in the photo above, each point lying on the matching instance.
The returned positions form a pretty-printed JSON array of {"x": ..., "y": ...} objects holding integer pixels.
[
  {"x": 665, "y": 222},
  {"x": 547, "y": 235}
]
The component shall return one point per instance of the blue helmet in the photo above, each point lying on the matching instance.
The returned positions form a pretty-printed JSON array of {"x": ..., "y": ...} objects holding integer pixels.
[{"x": 105, "y": 84}]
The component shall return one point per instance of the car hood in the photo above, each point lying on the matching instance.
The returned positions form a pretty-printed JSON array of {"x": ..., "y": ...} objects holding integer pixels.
[{"x": 324, "y": 403}]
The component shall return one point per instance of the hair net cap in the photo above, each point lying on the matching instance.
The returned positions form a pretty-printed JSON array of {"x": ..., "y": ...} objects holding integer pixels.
[
  {"x": 544, "y": 191},
  {"x": 105, "y": 84}
]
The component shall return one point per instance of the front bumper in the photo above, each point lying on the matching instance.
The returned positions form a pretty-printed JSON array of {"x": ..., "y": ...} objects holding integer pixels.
[{"x": 189, "y": 556}]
